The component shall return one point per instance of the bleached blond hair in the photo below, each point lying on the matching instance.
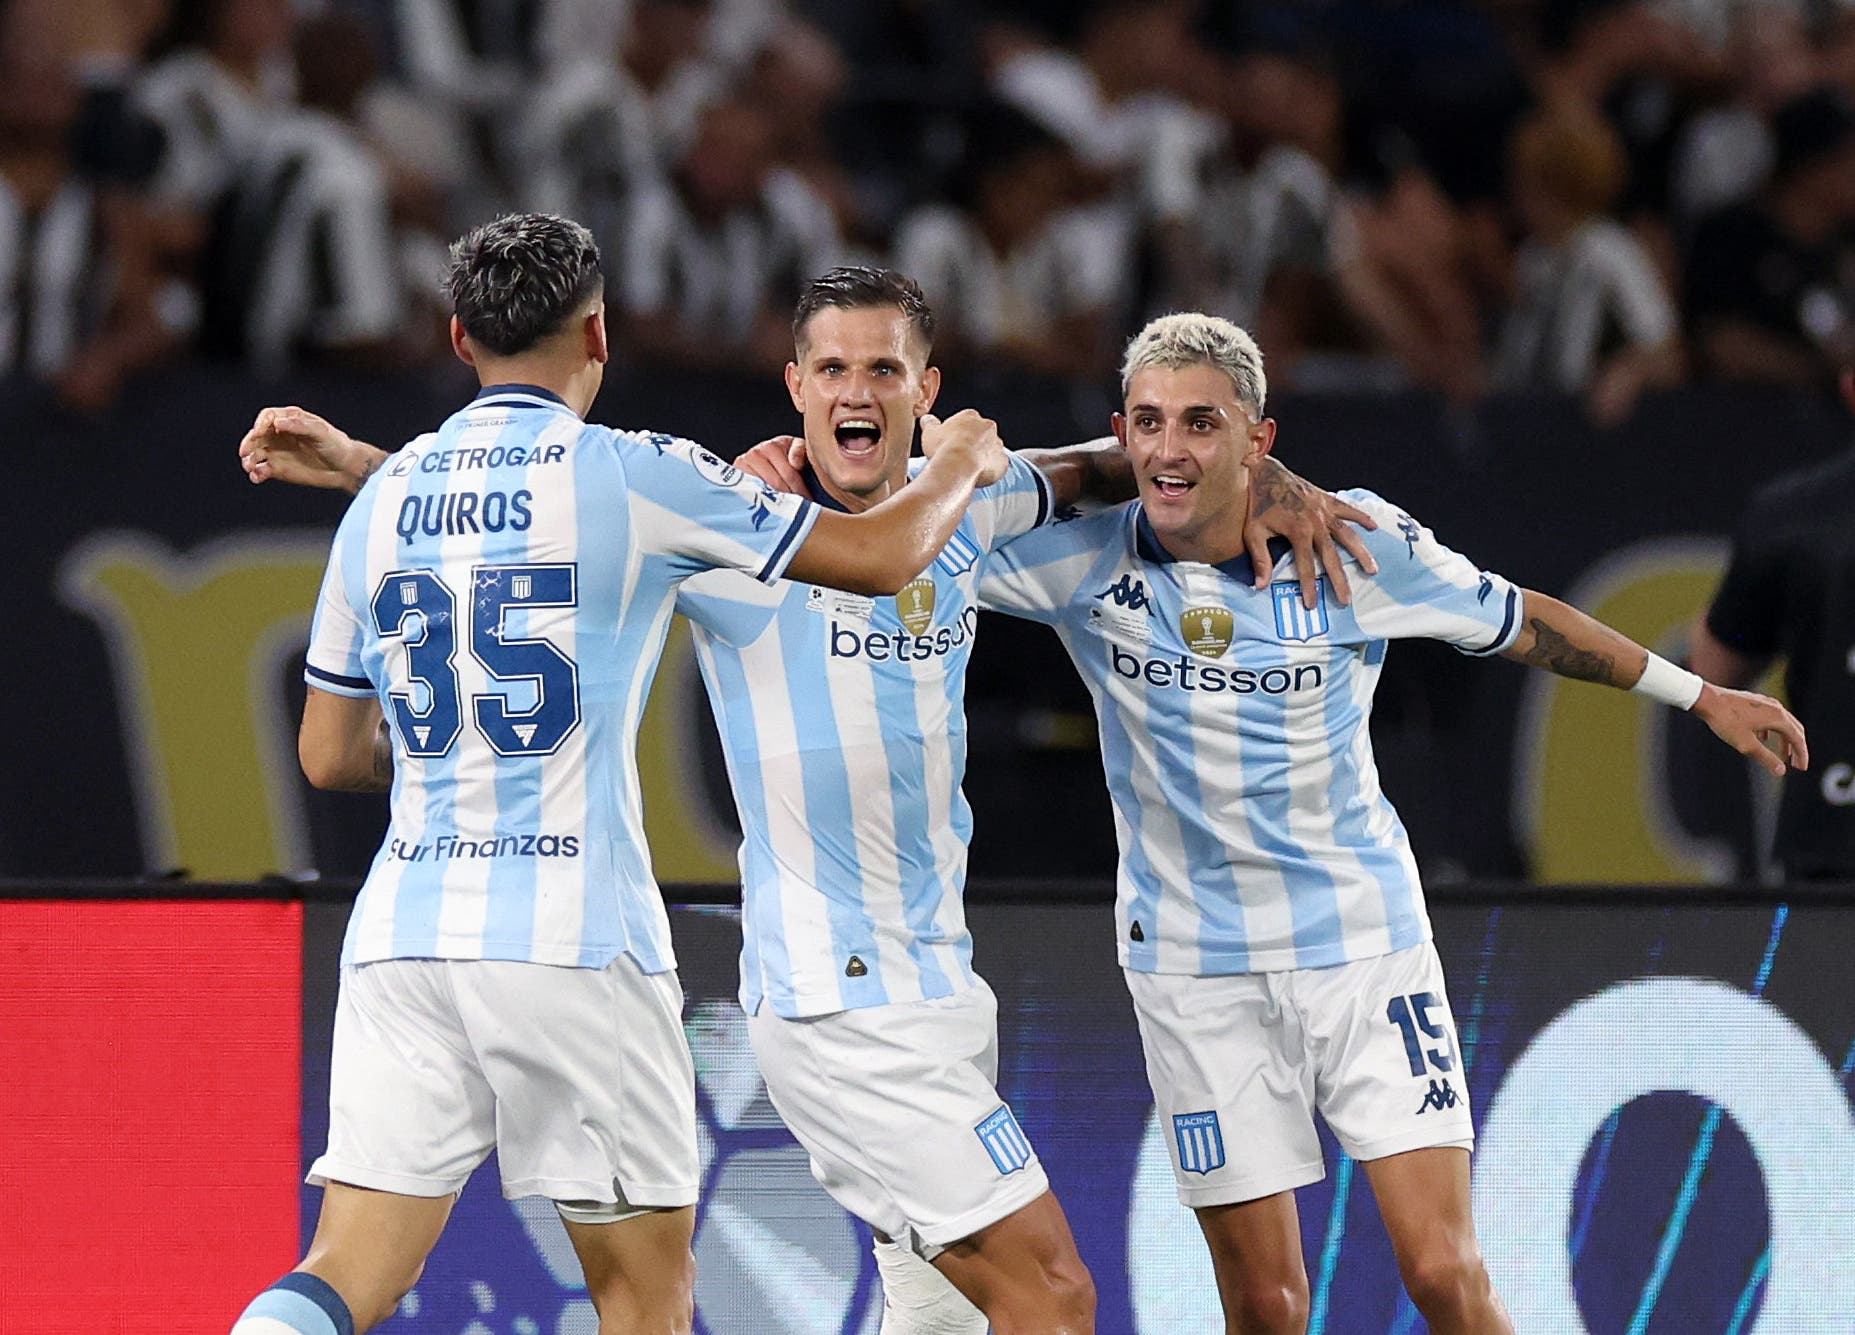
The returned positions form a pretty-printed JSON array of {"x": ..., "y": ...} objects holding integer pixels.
[{"x": 1194, "y": 339}]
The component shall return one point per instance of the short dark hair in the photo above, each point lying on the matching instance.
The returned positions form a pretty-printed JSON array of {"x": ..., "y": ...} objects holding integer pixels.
[
  {"x": 855, "y": 287},
  {"x": 519, "y": 278}
]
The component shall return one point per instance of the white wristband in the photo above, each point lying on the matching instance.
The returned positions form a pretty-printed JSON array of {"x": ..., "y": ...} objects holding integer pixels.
[{"x": 1662, "y": 680}]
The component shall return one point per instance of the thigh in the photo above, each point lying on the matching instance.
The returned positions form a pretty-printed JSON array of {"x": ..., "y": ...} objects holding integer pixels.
[
  {"x": 1389, "y": 1071},
  {"x": 594, "y": 1088},
  {"x": 1231, "y": 1084},
  {"x": 1423, "y": 1197},
  {"x": 639, "y": 1266},
  {"x": 409, "y": 1109},
  {"x": 371, "y": 1245},
  {"x": 1255, "y": 1248},
  {"x": 896, "y": 1106}
]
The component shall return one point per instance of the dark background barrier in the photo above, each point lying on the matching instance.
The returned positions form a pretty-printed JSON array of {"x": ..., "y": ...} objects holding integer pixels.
[
  {"x": 1661, "y": 1081},
  {"x": 157, "y": 606}
]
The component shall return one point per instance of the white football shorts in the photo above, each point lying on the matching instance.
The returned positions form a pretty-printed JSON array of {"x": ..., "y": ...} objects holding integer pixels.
[
  {"x": 579, "y": 1079},
  {"x": 898, "y": 1108},
  {"x": 1240, "y": 1063}
]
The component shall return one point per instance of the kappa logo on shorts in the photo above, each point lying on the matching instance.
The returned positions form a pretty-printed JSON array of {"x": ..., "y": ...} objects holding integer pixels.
[
  {"x": 1441, "y": 1097},
  {"x": 1004, "y": 1140},
  {"x": 1201, "y": 1141}
]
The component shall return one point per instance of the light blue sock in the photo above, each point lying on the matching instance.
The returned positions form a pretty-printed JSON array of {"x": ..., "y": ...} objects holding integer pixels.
[{"x": 297, "y": 1304}]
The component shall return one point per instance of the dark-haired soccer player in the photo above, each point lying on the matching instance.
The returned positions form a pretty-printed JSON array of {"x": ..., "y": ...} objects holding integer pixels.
[
  {"x": 842, "y": 719},
  {"x": 494, "y": 608}
]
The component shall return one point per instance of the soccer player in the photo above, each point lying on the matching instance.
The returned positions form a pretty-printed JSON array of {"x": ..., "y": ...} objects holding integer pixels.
[
  {"x": 494, "y": 607},
  {"x": 1271, "y": 925},
  {"x": 842, "y": 721}
]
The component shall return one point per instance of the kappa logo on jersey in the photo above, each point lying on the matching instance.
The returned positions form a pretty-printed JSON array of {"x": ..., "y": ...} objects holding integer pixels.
[
  {"x": 1208, "y": 630},
  {"x": 1201, "y": 1141},
  {"x": 1411, "y": 530},
  {"x": 1004, "y": 1140},
  {"x": 1293, "y": 621},
  {"x": 1485, "y": 588},
  {"x": 1128, "y": 592},
  {"x": 1441, "y": 1097},
  {"x": 915, "y": 605}
]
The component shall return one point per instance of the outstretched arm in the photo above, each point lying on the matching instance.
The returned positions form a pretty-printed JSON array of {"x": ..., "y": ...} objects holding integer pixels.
[
  {"x": 1561, "y": 639},
  {"x": 295, "y": 445},
  {"x": 879, "y": 551}
]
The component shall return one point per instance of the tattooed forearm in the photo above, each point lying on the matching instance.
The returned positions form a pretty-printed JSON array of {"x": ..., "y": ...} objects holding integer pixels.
[
  {"x": 1554, "y": 652},
  {"x": 1276, "y": 486}
]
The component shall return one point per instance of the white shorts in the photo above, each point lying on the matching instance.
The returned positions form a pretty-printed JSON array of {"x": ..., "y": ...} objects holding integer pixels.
[
  {"x": 897, "y": 1107},
  {"x": 1240, "y": 1063},
  {"x": 580, "y": 1079}
]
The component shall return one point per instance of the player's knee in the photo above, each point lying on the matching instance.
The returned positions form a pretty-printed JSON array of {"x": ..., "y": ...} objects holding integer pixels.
[
  {"x": 1271, "y": 1307},
  {"x": 660, "y": 1302},
  {"x": 1072, "y": 1288},
  {"x": 1448, "y": 1279}
]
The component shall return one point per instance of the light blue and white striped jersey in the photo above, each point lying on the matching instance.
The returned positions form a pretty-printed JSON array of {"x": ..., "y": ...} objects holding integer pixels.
[
  {"x": 843, "y": 721},
  {"x": 1253, "y": 834},
  {"x": 504, "y": 586}
]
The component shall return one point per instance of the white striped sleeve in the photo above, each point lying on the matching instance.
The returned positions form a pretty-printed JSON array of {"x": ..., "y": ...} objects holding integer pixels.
[
  {"x": 686, "y": 504},
  {"x": 1423, "y": 590},
  {"x": 333, "y": 662},
  {"x": 1036, "y": 574},
  {"x": 1018, "y": 502}
]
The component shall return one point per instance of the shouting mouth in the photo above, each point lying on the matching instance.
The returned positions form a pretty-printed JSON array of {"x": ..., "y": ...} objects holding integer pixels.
[
  {"x": 1171, "y": 486},
  {"x": 857, "y": 437}
]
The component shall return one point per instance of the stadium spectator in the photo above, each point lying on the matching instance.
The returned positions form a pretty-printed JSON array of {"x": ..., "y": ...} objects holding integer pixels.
[
  {"x": 228, "y": 71},
  {"x": 304, "y": 260},
  {"x": 78, "y": 293},
  {"x": 1768, "y": 291},
  {"x": 1590, "y": 313},
  {"x": 1726, "y": 152},
  {"x": 709, "y": 257},
  {"x": 1021, "y": 273}
]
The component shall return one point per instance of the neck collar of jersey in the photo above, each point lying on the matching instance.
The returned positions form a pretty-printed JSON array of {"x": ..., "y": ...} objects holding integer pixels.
[
  {"x": 1239, "y": 568},
  {"x": 815, "y": 485},
  {"x": 514, "y": 395}
]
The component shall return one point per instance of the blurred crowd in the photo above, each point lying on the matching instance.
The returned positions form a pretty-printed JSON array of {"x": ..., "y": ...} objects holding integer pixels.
[{"x": 1597, "y": 197}]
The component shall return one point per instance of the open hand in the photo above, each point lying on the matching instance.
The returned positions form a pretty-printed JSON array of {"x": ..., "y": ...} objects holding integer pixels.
[
  {"x": 777, "y": 461},
  {"x": 1316, "y": 523},
  {"x": 1754, "y": 725}
]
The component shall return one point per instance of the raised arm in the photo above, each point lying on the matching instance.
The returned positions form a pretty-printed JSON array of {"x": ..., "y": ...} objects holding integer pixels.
[
  {"x": 1561, "y": 639},
  {"x": 879, "y": 551},
  {"x": 295, "y": 445},
  {"x": 344, "y": 743}
]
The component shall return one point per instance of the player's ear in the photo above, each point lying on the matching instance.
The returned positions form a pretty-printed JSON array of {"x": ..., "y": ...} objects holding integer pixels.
[
  {"x": 795, "y": 387},
  {"x": 1119, "y": 421},
  {"x": 930, "y": 390},
  {"x": 1262, "y": 440},
  {"x": 598, "y": 342},
  {"x": 460, "y": 343}
]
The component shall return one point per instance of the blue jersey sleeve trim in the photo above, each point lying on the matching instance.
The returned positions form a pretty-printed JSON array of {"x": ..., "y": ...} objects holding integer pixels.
[
  {"x": 335, "y": 683},
  {"x": 789, "y": 543},
  {"x": 1046, "y": 499},
  {"x": 1510, "y": 627}
]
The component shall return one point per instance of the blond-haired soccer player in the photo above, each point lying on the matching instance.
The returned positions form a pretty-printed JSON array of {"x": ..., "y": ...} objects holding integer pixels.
[{"x": 1272, "y": 928}]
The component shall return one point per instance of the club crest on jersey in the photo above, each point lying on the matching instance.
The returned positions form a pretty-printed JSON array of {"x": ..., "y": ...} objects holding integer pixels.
[
  {"x": 1293, "y": 621},
  {"x": 1201, "y": 1141},
  {"x": 1207, "y": 630},
  {"x": 1004, "y": 1140},
  {"x": 915, "y": 605}
]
